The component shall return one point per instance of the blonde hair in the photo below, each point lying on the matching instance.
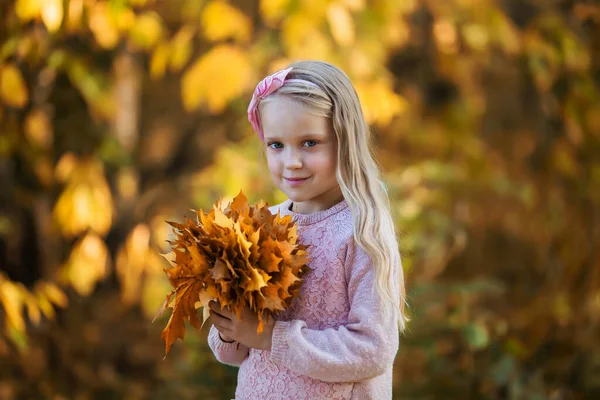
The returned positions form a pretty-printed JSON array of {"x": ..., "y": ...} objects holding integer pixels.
[{"x": 358, "y": 175}]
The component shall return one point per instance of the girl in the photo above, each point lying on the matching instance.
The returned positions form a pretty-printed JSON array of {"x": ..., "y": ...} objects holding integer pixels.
[{"x": 339, "y": 338}]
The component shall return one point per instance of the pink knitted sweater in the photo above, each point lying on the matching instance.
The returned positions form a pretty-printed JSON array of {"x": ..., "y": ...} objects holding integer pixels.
[{"x": 333, "y": 342}]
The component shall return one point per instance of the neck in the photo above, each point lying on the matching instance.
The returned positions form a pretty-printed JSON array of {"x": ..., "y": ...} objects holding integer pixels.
[{"x": 322, "y": 202}]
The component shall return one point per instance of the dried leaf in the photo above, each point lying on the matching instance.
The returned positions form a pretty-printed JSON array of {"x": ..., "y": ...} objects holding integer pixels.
[{"x": 241, "y": 256}]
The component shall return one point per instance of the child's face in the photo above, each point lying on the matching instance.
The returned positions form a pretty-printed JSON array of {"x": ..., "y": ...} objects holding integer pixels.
[{"x": 301, "y": 154}]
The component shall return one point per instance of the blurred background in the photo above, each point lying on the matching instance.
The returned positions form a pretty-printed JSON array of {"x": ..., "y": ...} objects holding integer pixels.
[{"x": 116, "y": 115}]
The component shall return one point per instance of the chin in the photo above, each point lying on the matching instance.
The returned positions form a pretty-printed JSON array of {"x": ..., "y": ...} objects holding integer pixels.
[{"x": 295, "y": 196}]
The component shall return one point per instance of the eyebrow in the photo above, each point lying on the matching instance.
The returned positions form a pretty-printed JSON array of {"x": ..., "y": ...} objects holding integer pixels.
[{"x": 309, "y": 135}]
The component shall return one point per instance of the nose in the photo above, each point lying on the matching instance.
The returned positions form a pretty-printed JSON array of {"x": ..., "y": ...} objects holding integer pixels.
[{"x": 292, "y": 159}]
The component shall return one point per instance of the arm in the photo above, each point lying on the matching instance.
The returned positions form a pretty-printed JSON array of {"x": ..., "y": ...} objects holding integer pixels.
[
  {"x": 226, "y": 353},
  {"x": 362, "y": 349}
]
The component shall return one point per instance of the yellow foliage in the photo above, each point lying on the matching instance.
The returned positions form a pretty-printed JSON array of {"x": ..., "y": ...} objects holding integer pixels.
[
  {"x": 38, "y": 129},
  {"x": 221, "y": 21},
  {"x": 52, "y": 14},
  {"x": 103, "y": 25},
  {"x": 13, "y": 90},
  {"x": 341, "y": 24},
  {"x": 53, "y": 293},
  {"x": 395, "y": 34},
  {"x": 303, "y": 40},
  {"x": 159, "y": 60},
  {"x": 135, "y": 261},
  {"x": 87, "y": 263},
  {"x": 74, "y": 15},
  {"x": 14, "y": 297},
  {"x": 181, "y": 48},
  {"x": 220, "y": 75},
  {"x": 476, "y": 36},
  {"x": 11, "y": 298},
  {"x": 86, "y": 202},
  {"x": 28, "y": 9},
  {"x": 354, "y": 5},
  {"x": 379, "y": 102},
  {"x": 316, "y": 8},
  {"x": 272, "y": 11},
  {"x": 146, "y": 31}
]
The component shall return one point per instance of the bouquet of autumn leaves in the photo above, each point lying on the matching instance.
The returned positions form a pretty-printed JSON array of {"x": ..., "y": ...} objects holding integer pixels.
[{"x": 241, "y": 256}]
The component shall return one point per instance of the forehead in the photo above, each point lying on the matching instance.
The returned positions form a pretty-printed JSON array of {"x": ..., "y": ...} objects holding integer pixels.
[{"x": 280, "y": 116}]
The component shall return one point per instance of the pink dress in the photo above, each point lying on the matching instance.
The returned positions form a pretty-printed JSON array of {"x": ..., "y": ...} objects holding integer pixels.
[{"x": 333, "y": 342}]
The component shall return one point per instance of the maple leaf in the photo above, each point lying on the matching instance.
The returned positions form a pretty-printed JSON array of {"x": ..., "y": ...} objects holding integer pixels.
[{"x": 239, "y": 255}]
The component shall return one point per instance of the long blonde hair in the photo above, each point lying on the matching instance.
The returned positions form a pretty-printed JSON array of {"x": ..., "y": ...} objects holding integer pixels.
[{"x": 357, "y": 172}]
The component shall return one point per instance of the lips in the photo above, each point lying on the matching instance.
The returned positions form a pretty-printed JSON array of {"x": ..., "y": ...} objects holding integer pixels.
[{"x": 295, "y": 181}]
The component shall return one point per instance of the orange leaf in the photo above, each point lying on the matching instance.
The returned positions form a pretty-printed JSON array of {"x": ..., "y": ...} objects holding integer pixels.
[{"x": 241, "y": 256}]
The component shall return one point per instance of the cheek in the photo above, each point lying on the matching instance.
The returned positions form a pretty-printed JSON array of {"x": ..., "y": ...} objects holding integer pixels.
[
  {"x": 330, "y": 162},
  {"x": 273, "y": 164}
]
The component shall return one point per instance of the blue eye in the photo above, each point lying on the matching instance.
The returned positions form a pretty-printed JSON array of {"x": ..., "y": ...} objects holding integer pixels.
[
  {"x": 275, "y": 145},
  {"x": 310, "y": 143}
]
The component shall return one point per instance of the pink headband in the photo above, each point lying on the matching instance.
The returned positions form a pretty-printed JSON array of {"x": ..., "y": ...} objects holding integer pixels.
[{"x": 264, "y": 88}]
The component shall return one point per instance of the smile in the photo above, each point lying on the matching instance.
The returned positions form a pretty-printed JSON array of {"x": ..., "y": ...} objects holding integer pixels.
[{"x": 295, "y": 181}]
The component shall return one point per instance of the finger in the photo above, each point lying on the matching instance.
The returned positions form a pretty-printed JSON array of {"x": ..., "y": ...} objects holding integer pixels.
[
  {"x": 219, "y": 320},
  {"x": 223, "y": 330},
  {"x": 216, "y": 309},
  {"x": 225, "y": 312},
  {"x": 214, "y": 305}
]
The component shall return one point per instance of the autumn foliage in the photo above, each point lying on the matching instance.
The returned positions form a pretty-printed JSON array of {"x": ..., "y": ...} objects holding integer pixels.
[{"x": 243, "y": 256}]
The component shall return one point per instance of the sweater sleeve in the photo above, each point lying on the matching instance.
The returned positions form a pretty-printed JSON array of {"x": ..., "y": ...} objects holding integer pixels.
[
  {"x": 362, "y": 349},
  {"x": 226, "y": 353}
]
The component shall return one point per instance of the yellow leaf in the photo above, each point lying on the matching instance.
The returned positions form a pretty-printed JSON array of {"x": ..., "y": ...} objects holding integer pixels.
[
  {"x": 219, "y": 76},
  {"x": 33, "y": 309},
  {"x": 270, "y": 299},
  {"x": 65, "y": 166},
  {"x": 303, "y": 39},
  {"x": 272, "y": 11},
  {"x": 74, "y": 15},
  {"x": 12, "y": 301},
  {"x": 222, "y": 21},
  {"x": 222, "y": 220},
  {"x": 54, "y": 294},
  {"x": 38, "y": 129},
  {"x": 52, "y": 14},
  {"x": 205, "y": 298},
  {"x": 28, "y": 9},
  {"x": 476, "y": 36},
  {"x": 159, "y": 60},
  {"x": 147, "y": 30},
  {"x": 354, "y": 5},
  {"x": 341, "y": 24},
  {"x": 103, "y": 25},
  {"x": 181, "y": 48},
  {"x": 87, "y": 263},
  {"x": 245, "y": 244},
  {"x": 131, "y": 262},
  {"x": 255, "y": 281},
  {"x": 13, "y": 90},
  {"x": 86, "y": 202},
  {"x": 45, "y": 305},
  {"x": 124, "y": 19},
  {"x": 380, "y": 103}
]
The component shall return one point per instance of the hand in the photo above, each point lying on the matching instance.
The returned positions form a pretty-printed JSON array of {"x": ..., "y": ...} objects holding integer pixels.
[{"x": 242, "y": 330}]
